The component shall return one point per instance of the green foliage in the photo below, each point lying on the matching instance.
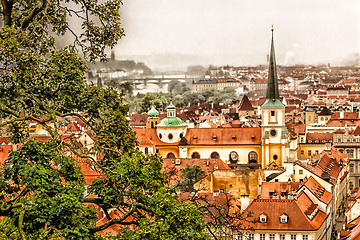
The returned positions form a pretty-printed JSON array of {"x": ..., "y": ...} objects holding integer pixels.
[
  {"x": 43, "y": 189},
  {"x": 189, "y": 176},
  {"x": 143, "y": 103}
]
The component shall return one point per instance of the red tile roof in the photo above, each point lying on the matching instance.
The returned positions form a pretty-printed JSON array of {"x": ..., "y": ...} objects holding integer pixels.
[
  {"x": 277, "y": 187},
  {"x": 138, "y": 119},
  {"x": 205, "y": 136},
  {"x": 318, "y": 137},
  {"x": 245, "y": 104},
  {"x": 174, "y": 170},
  {"x": 319, "y": 191},
  {"x": 221, "y": 205},
  {"x": 297, "y": 219},
  {"x": 223, "y": 136}
]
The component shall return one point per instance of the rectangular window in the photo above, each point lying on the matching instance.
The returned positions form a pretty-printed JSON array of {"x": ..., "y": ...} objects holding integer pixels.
[
  {"x": 272, "y": 113},
  {"x": 272, "y": 236},
  {"x": 302, "y": 140},
  {"x": 262, "y": 236},
  {"x": 300, "y": 171},
  {"x": 293, "y": 237},
  {"x": 282, "y": 236},
  {"x": 309, "y": 152},
  {"x": 302, "y": 151},
  {"x": 251, "y": 236},
  {"x": 305, "y": 237},
  {"x": 316, "y": 151}
]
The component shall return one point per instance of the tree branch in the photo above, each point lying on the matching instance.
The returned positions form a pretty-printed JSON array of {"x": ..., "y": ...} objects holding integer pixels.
[
  {"x": 7, "y": 11},
  {"x": 117, "y": 220},
  {"x": 36, "y": 10}
]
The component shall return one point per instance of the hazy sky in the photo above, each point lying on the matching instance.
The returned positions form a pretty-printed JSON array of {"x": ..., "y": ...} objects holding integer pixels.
[{"x": 238, "y": 31}]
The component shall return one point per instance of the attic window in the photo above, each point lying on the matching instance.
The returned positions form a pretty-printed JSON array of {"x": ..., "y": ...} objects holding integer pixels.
[
  {"x": 252, "y": 137},
  {"x": 214, "y": 138},
  {"x": 283, "y": 218},
  {"x": 233, "y": 137},
  {"x": 263, "y": 218},
  {"x": 324, "y": 141},
  {"x": 195, "y": 138},
  {"x": 310, "y": 141}
]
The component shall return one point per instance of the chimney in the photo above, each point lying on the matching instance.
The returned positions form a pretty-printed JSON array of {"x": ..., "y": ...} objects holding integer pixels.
[
  {"x": 244, "y": 202},
  {"x": 341, "y": 115}
]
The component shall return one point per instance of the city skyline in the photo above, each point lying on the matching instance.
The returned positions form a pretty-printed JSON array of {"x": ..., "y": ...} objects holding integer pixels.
[{"x": 237, "y": 32}]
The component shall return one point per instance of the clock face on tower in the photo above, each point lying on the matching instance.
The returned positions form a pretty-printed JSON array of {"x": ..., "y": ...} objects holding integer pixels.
[{"x": 273, "y": 132}]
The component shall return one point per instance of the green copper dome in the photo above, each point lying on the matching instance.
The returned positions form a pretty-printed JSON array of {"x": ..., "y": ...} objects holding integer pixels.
[
  {"x": 171, "y": 122},
  {"x": 171, "y": 106},
  {"x": 153, "y": 113}
]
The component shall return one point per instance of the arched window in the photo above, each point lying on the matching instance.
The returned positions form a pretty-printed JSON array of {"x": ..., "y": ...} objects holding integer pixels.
[
  {"x": 214, "y": 155},
  {"x": 170, "y": 155},
  {"x": 152, "y": 124},
  {"x": 252, "y": 157},
  {"x": 146, "y": 150},
  {"x": 195, "y": 155},
  {"x": 234, "y": 157}
]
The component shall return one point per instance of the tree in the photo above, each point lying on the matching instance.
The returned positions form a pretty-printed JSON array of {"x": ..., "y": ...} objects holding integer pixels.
[
  {"x": 42, "y": 184},
  {"x": 189, "y": 176},
  {"x": 144, "y": 103},
  {"x": 222, "y": 212}
]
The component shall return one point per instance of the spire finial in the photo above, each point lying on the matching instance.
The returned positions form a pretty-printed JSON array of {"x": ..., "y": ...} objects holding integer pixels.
[{"x": 272, "y": 27}]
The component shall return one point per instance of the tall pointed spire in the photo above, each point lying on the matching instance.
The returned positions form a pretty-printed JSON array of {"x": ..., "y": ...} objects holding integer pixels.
[{"x": 272, "y": 91}]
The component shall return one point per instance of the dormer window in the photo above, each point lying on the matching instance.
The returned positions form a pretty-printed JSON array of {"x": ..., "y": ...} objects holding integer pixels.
[
  {"x": 263, "y": 218},
  {"x": 283, "y": 218}
]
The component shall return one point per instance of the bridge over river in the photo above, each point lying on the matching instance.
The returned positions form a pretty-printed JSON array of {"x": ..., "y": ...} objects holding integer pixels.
[{"x": 156, "y": 83}]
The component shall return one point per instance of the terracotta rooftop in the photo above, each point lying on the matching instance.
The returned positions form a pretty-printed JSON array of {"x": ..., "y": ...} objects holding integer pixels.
[
  {"x": 319, "y": 137},
  {"x": 245, "y": 104},
  {"x": 319, "y": 191},
  {"x": 356, "y": 131},
  {"x": 220, "y": 204},
  {"x": 138, "y": 119},
  {"x": 325, "y": 111},
  {"x": 277, "y": 187},
  {"x": 171, "y": 167},
  {"x": 223, "y": 136},
  {"x": 273, "y": 209}
]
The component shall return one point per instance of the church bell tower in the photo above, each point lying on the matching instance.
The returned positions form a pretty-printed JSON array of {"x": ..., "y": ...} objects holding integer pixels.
[{"x": 274, "y": 135}]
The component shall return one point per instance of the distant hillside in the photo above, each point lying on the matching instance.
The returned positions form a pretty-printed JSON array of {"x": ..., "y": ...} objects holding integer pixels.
[{"x": 126, "y": 65}]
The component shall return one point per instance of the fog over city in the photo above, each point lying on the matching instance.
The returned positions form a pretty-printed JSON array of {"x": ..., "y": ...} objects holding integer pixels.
[{"x": 169, "y": 34}]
